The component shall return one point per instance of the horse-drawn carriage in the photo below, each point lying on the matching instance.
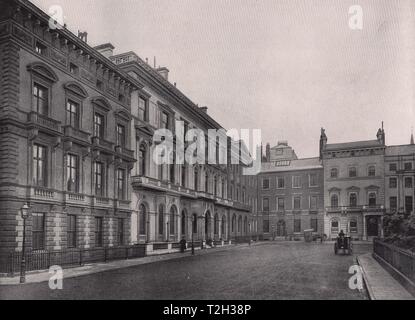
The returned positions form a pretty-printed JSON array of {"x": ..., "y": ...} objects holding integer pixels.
[{"x": 344, "y": 244}]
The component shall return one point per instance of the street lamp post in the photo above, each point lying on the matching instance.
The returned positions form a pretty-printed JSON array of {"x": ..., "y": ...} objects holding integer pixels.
[
  {"x": 25, "y": 214},
  {"x": 193, "y": 246},
  {"x": 250, "y": 234}
]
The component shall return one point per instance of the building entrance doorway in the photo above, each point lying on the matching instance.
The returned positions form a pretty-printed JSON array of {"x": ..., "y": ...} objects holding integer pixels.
[
  {"x": 281, "y": 231},
  {"x": 372, "y": 225}
]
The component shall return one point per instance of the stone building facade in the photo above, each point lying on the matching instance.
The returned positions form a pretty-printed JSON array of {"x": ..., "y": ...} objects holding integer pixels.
[
  {"x": 399, "y": 179},
  {"x": 170, "y": 202},
  {"x": 65, "y": 144},
  {"x": 290, "y": 194},
  {"x": 354, "y": 186}
]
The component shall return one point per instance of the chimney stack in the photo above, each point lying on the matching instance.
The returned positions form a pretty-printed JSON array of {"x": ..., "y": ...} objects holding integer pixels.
[
  {"x": 268, "y": 152},
  {"x": 204, "y": 109},
  {"x": 106, "y": 49},
  {"x": 164, "y": 72}
]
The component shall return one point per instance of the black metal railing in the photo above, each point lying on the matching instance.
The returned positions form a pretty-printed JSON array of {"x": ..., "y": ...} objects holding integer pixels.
[
  {"x": 43, "y": 260},
  {"x": 402, "y": 260}
]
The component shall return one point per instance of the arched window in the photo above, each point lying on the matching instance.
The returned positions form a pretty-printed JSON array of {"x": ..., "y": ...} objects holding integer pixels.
[
  {"x": 194, "y": 223},
  {"x": 334, "y": 226},
  {"x": 183, "y": 223},
  {"x": 172, "y": 220},
  {"x": 372, "y": 199},
  {"x": 334, "y": 173},
  {"x": 142, "y": 219},
  {"x": 246, "y": 225},
  {"x": 216, "y": 224},
  {"x": 353, "y": 200},
  {"x": 161, "y": 219},
  {"x": 196, "y": 179},
  {"x": 223, "y": 226},
  {"x": 223, "y": 188},
  {"x": 334, "y": 201},
  {"x": 240, "y": 224},
  {"x": 142, "y": 156}
]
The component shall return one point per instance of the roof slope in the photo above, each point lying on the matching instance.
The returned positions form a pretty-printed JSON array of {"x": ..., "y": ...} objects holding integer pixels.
[{"x": 292, "y": 165}]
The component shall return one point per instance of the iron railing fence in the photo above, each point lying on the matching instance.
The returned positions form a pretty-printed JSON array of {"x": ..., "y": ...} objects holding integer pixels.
[
  {"x": 42, "y": 260},
  {"x": 402, "y": 260}
]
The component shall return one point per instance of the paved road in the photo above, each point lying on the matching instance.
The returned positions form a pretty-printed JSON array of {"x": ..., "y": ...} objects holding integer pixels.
[{"x": 266, "y": 271}]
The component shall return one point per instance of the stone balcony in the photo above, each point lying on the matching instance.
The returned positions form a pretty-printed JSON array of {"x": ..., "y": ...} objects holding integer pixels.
[
  {"x": 77, "y": 134},
  {"x": 125, "y": 153},
  {"x": 44, "y": 123},
  {"x": 355, "y": 209},
  {"x": 42, "y": 193},
  {"x": 98, "y": 201},
  {"x": 77, "y": 198},
  {"x": 102, "y": 144},
  {"x": 120, "y": 204},
  {"x": 139, "y": 182}
]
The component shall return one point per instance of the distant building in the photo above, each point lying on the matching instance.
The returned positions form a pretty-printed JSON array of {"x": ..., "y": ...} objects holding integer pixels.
[
  {"x": 399, "y": 179},
  {"x": 171, "y": 202},
  {"x": 290, "y": 194},
  {"x": 354, "y": 186}
]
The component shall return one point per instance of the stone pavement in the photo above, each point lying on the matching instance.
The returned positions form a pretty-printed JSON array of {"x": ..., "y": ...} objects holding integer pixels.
[
  {"x": 380, "y": 284},
  {"x": 44, "y": 276}
]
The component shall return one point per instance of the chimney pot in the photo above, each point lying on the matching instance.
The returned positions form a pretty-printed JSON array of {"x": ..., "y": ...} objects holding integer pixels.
[
  {"x": 164, "y": 72},
  {"x": 204, "y": 109}
]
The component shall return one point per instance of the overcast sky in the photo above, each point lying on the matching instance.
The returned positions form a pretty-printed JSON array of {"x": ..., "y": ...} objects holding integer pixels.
[{"x": 288, "y": 67}]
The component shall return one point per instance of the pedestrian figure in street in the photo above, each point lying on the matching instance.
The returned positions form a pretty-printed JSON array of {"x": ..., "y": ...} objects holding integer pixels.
[
  {"x": 183, "y": 245},
  {"x": 341, "y": 237}
]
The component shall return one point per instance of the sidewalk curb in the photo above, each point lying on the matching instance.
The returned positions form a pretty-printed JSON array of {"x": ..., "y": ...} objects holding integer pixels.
[
  {"x": 367, "y": 285},
  {"x": 407, "y": 283},
  {"x": 95, "y": 268}
]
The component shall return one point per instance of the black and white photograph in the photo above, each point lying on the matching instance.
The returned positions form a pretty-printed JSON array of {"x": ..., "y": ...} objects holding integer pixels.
[{"x": 207, "y": 155}]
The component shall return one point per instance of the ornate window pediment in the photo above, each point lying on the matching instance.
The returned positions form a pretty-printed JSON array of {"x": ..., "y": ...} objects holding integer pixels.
[
  {"x": 123, "y": 115},
  {"x": 353, "y": 188},
  {"x": 334, "y": 189},
  {"x": 43, "y": 70},
  {"x": 76, "y": 89},
  {"x": 102, "y": 103},
  {"x": 372, "y": 187}
]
